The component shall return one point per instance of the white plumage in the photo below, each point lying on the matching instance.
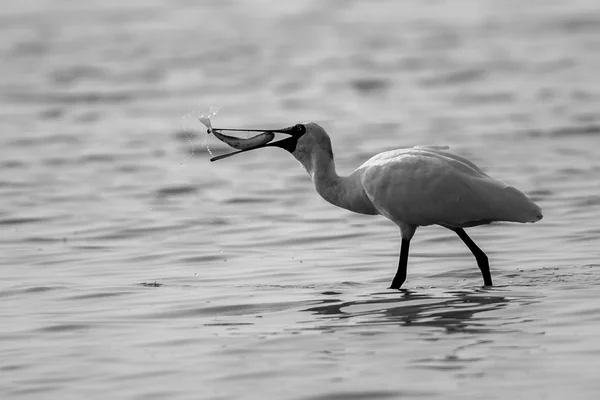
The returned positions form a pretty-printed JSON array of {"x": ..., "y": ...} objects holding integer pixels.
[
  {"x": 424, "y": 185},
  {"x": 420, "y": 186}
]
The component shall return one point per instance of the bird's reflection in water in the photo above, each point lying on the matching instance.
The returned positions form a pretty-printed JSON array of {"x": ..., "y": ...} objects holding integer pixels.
[{"x": 453, "y": 311}]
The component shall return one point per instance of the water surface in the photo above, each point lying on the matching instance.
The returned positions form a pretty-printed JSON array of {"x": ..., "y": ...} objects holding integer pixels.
[{"x": 132, "y": 267}]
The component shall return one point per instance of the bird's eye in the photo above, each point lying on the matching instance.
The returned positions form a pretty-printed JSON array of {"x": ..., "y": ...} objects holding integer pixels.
[{"x": 300, "y": 128}]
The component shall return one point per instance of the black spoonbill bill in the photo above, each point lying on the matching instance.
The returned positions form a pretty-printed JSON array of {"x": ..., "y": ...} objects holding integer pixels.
[{"x": 420, "y": 186}]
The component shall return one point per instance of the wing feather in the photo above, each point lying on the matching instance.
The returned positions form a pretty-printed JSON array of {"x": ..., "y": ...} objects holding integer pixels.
[{"x": 425, "y": 186}]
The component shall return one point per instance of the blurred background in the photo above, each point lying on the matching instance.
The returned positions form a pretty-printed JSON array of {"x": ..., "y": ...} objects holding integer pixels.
[{"x": 131, "y": 266}]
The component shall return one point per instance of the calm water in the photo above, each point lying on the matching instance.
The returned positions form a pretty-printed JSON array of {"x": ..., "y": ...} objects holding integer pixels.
[{"x": 263, "y": 290}]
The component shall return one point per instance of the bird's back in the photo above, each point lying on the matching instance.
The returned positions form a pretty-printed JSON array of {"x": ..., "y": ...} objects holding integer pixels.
[{"x": 426, "y": 185}]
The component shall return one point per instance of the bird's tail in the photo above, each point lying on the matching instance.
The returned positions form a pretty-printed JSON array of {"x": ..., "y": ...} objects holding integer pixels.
[{"x": 518, "y": 207}]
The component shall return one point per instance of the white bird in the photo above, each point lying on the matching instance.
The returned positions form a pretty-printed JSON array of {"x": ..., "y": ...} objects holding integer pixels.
[{"x": 419, "y": 186}]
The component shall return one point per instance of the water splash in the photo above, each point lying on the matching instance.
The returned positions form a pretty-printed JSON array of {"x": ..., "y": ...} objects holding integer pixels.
[
  {"x": 188, "y": 136},
  {"x": 213, "y": 110}
]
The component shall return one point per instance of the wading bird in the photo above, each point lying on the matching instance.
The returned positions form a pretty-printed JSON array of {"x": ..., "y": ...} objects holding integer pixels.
[{"x": 419, "y": 186}]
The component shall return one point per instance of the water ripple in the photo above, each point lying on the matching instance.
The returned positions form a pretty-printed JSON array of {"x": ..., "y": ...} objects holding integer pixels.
[{"x": 127, "y": 256}]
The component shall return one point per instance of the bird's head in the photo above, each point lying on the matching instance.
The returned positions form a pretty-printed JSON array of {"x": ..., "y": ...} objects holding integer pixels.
[{"x": 302, "y": 141}]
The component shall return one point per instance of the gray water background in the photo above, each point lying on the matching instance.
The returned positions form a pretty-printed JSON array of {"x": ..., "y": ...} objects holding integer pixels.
[{"x": 263, "y": 290}]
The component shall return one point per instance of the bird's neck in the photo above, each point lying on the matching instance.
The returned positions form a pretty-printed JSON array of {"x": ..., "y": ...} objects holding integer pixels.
[
  {"x": 325, "y": 178},
  {"x": 343, "y": 192}
]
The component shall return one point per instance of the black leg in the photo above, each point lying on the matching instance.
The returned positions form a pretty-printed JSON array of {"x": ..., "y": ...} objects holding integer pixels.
[
  {"x": 482, "y": 260},
  {"x": 402, "y": 264}
]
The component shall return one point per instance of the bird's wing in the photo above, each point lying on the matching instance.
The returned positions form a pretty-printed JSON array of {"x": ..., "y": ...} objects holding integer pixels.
[
  {"x": 426, "y": 186},
  {"x": 439, "y": 151},
  {"x": 424, "y": 150}
]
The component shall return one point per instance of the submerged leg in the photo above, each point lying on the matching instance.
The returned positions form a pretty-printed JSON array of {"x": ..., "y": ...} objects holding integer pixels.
[
  {"x": 402, "y": 264},
  {"x": 482, "y": 260}
]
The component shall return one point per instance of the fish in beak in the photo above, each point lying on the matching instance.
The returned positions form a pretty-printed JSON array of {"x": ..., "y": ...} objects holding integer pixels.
[{"x": 263, "y": 139}]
